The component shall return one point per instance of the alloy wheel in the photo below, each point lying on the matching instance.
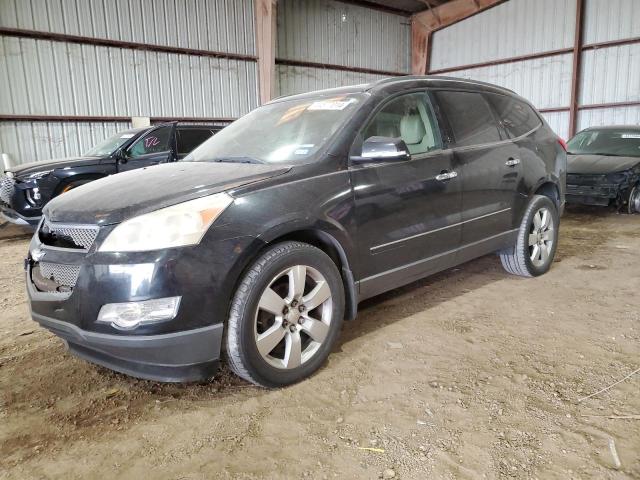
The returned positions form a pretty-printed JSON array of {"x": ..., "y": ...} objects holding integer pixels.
[
  {"x": 634, "y": 200},
  {"x": 541, "y": 237},
  {"x": 293, "y": 317}
]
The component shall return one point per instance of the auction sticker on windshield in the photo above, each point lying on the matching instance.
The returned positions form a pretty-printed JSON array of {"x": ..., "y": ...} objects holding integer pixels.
[{"x": 331, "y": 104}]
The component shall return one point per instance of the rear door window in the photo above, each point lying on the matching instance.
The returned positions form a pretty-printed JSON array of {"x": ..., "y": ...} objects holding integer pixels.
[
  {"x": 470, "y": 118},
  {"x": 517, "y": 117},
  {"x": 189, "y": 138}
]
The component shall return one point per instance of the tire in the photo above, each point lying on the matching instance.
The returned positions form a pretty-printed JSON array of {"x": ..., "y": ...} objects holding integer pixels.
[
  {"x": 271, "y": 315},
  {"x": 528, "y": 260},
  {"x": 633, "y": 202}
]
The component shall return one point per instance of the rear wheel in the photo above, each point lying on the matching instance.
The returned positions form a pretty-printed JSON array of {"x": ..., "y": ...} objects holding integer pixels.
[
  {"x": 537, "y": 240},
  {"x": 286, "y": 315},
  {"x": 633, "y": 203}
]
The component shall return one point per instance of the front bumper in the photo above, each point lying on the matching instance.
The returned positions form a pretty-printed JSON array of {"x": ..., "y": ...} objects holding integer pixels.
[
  {"x": 14, "y": 217},
  {"x": 592, "y": 194},
  {"x": 14, "y": 206},
  {"x": 173, "y": 357},
  {"x": 184, "y": 348}
]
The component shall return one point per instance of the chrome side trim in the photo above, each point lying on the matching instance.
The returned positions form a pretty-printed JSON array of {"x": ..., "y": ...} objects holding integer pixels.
[
  {"x": 429, "y": 259},
  {"x": 377, "y": 247}
]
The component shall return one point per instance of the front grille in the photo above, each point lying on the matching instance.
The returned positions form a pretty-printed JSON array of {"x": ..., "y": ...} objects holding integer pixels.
[
  {"x": 68, "y": 235},
  {"x": 63, "y": 275},
  {"x": 7, "y": 187}
]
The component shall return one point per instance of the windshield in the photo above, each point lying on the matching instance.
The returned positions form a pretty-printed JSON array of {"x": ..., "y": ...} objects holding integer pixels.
[
  {"x": 621, "y": 143},
  {"x": 111, "y": 144},
  {"x": 283, "y": 132}
]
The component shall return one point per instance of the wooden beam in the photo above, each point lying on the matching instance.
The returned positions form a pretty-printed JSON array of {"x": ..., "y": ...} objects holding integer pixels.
[
  {"x": 423, "y": 25},
  {"x": 577, "y": 63},
  {"x": 266, "y": 47},
  {"x": 420, "y": 38},
  {"x": 452, "y": 12}
]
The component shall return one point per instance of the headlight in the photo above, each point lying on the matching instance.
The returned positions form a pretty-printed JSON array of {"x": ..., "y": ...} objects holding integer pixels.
[
  {"x": 175, "y": 226},
  {"x": 38, "y": 175}
]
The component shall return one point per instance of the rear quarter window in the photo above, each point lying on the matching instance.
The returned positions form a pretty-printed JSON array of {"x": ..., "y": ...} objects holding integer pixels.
[
  {"x": 470, "y": 117},
  {"x": 517, "y": 117}
]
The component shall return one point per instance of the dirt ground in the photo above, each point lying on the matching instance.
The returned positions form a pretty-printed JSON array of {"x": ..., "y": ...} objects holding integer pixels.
[{"x": 471, "y": 373}]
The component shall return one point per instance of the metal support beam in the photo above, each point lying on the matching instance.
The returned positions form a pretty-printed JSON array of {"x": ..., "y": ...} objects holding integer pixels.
[
  {"x": 106, "y": 42},
  {"x": 265, "y": 13},
  {"x": 577, "y": 64},
  {"x": 101, "y": 118},
  {"x": 333, "y": 66}
]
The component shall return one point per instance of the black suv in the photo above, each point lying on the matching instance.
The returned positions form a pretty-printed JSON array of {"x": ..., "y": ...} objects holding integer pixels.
[
  {"x": 269, "y": 234},
  {"x": 25, "y": 189}
]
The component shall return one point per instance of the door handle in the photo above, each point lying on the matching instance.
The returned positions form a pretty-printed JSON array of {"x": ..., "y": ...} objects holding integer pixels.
[
  {"x": 446, "y": 176},
  {"x": 512, "y": 162}
]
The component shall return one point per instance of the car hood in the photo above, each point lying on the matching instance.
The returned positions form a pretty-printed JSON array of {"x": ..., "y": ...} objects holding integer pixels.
[
  {"x": 599, "y": 164},
  {"x": 119, "y": 197},
  {"x": 26, "y": 169}
]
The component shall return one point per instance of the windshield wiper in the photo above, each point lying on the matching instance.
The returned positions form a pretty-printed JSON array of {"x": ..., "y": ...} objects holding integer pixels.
[{"x": 235, "y": 160}]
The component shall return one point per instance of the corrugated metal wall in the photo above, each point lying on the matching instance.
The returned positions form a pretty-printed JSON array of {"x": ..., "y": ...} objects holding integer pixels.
[
  {"x": 544, "y": 81},
  {"x": 610, "y": 75},
  {"x": 293, "y": 80},
  {"x": 30, "y": 141},
  {"x": 337, "y": 33},
  {"x": 607, "y": 20},
  {"x": 524, "y": 27},
  {"x": 42, "y": 77},
  {"x": 222, "y": 25},
  {"x": 56, "y": 78},
  {"x": 517, "y": 27}
]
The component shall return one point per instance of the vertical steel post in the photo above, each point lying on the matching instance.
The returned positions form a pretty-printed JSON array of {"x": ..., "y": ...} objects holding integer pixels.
[{"x": 576, "y": 72}]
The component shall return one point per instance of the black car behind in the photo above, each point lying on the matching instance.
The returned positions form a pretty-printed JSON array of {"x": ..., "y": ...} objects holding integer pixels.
[
  {"x": 26, "y": 189},
  {"x": 603, "y": 167},
  {"x": 265, "y": 238}
]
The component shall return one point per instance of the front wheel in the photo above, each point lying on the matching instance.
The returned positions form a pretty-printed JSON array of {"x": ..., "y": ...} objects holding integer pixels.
[
  {"x": 285, "y": 316},
  {"x": 70, "y": 185},
  {"x": 633, "y": 203},
  {"x": 537, "y": 240}
]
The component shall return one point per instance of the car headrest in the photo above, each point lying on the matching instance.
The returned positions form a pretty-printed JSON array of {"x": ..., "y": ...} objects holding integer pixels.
[{"x": 412, "y": 129}]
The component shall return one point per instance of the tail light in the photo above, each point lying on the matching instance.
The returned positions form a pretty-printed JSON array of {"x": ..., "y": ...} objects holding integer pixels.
[{"x": 562, "y": 143}]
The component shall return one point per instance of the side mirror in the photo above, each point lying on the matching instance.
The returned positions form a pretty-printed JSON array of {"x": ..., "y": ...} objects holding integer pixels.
[
  {"x": 120, "y": 156},
  {"x": 382, "y": 150}
]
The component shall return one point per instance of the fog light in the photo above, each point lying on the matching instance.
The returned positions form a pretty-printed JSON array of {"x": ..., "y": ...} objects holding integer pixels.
[{"x": 127, "y": 316}]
